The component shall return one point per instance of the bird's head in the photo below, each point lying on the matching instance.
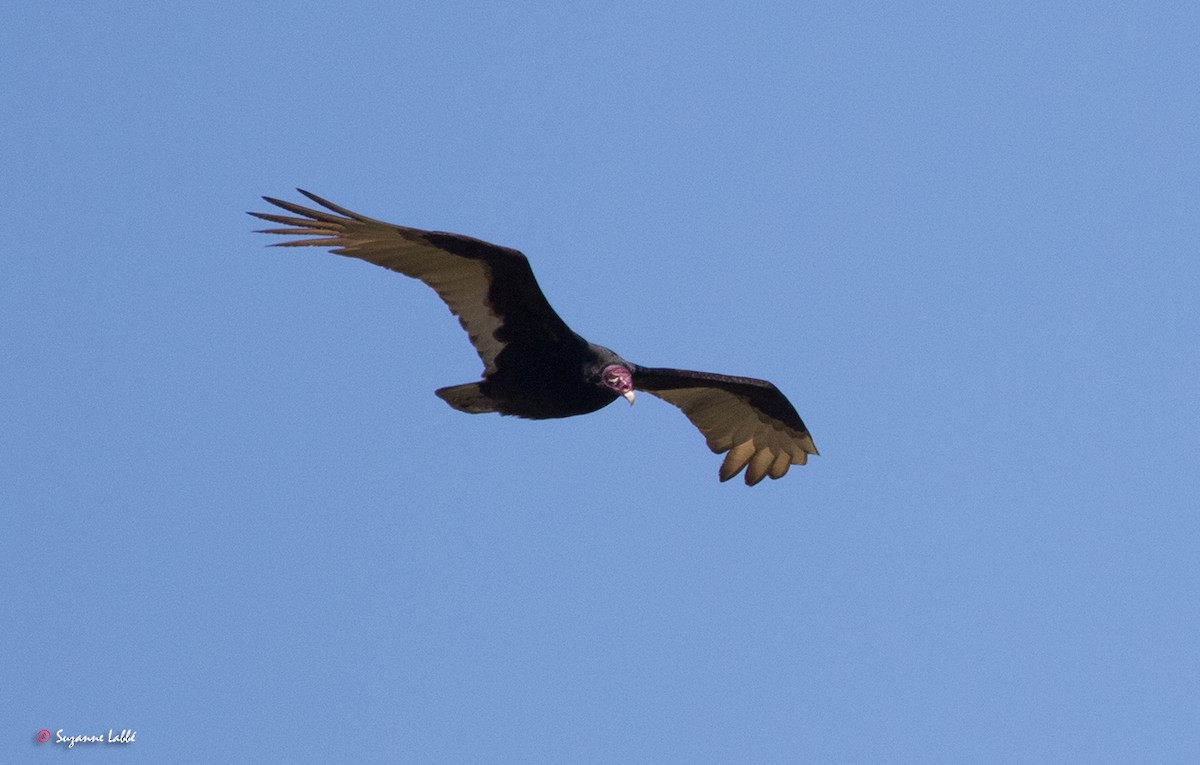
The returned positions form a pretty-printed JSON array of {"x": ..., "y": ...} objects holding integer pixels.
[{"x": 618, "y": 378}]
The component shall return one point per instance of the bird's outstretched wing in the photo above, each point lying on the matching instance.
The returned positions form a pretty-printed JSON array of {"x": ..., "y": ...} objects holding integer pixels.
[
  {"x": 491, "y": 289},
  {"x": 748, "y": 418}
]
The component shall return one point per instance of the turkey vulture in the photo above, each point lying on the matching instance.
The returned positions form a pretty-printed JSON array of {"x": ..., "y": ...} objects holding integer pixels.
[{"x": 534, "y": 366}]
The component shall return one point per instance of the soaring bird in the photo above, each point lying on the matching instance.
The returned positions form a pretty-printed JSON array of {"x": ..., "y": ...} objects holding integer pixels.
[{"x": 534, "y": 365}]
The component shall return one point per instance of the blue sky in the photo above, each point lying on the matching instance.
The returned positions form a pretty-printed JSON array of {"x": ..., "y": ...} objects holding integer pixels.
[{"x": 961, "y": 237}]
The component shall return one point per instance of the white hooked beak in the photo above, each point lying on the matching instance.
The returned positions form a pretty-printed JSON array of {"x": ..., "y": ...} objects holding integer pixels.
[{"x": 628, "y": 396}]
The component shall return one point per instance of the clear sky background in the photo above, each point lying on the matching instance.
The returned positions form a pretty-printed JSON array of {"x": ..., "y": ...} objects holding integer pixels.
[{"x": 962, "y": 238}]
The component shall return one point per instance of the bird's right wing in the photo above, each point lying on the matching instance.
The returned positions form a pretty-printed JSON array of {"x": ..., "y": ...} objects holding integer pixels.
[
  {"x": 746, "y": 417},
  {"x": 491, "y": 289}
]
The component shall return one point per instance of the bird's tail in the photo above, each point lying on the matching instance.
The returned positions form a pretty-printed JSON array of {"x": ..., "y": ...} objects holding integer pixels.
[{"x": 467, "y": 398}]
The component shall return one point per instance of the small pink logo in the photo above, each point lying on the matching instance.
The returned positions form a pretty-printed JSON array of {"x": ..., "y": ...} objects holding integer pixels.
[{"x": 43, "y": 736}]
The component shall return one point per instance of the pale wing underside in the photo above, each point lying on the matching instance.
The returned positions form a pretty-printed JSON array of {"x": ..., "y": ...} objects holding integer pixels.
[
  {"x": 763, "y": 445},
  {"x": 464, "y": 283}
]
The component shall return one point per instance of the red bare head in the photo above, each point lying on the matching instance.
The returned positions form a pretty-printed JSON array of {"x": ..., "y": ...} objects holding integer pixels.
[{"x": 618, "y": 379}]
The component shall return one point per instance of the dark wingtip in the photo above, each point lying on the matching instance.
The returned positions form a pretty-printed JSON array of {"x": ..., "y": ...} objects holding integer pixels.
[
  {"x": 323, "y": 202},
  {"x": 335, "y": 208}
]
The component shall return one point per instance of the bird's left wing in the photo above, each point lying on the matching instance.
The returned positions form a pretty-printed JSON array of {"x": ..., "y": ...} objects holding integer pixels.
[
  {"x": 746, "y": 417},
  {"x": 491, "y": 289}
]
